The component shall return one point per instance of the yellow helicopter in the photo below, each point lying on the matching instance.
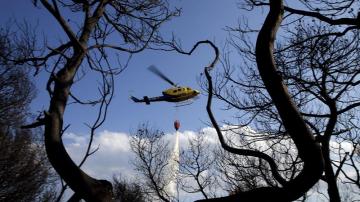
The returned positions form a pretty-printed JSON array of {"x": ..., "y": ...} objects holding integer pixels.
[{"x": 174, "y": 94}]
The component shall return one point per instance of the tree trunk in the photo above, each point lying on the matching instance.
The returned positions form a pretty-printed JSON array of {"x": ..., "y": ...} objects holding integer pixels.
[
  {"x": 87, "y": 187},
  {"x": 333, "y": 190},
  {"x": 83, "y": 185},
  {"x": 308, "y": 149}
]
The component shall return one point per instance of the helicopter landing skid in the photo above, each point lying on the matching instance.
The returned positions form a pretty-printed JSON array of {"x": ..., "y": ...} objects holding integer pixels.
[{"x": 184, "y": 103}]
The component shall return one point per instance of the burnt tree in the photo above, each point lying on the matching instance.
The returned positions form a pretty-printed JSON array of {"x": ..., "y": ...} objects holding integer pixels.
[{"x": 87, "y": 44}]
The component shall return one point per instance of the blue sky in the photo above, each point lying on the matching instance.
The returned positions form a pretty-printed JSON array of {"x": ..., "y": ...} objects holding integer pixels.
[{"x": 200, "y": 20}]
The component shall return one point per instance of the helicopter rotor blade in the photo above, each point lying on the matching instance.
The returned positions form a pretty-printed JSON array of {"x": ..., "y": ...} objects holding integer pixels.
[{"x": 156, "y": 71}]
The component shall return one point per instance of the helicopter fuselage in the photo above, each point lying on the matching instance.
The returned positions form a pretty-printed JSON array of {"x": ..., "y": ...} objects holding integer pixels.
[
  {"x": 178, "y": 94},
  {"x": 175, "y": 94}
]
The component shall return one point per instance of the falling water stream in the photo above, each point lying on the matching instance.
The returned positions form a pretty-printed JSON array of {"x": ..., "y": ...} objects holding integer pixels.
[{"x": 174, "y": 168}]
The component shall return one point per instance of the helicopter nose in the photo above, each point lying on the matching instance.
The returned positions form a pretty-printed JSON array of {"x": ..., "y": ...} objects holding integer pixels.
[{"x": 197, "y": 92}]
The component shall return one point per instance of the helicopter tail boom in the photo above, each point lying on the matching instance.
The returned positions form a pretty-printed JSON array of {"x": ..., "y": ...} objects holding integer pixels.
[
  {"x": 146, "y": 99},
  {"x": 135, "y": 99}
]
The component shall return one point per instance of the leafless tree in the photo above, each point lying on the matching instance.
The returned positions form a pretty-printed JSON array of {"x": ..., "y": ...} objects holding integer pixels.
[
  {"x": 87, "y": 45},
  {"x": 25, "y": 173},
  {"x": 197, "y": 168},
  {"x": 296, "y": 129},
  {"x": 327, "y": 81},
  {"x": 153, "y": 162},
  {"x": 240, "y": 174},
  {"x": 126, "y": 191},
  {"x": 16, "y": 89},
  {"x": 317, "y": 59}
]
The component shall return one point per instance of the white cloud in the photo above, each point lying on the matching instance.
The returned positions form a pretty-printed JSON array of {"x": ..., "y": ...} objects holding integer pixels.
[
  {"x": 344, "y": 145},
  {"x": 114, "y": 155},
  {"x": 114, "y": 142}
]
